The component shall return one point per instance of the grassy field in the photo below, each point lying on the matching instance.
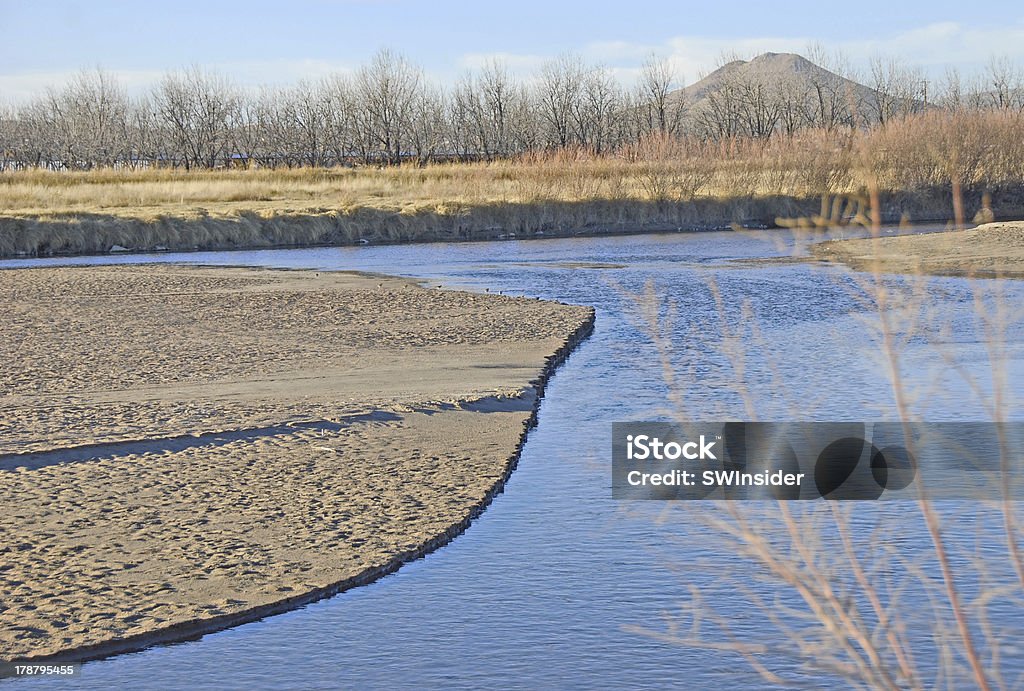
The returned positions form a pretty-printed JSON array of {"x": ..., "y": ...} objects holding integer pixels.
[
  {"x": 441, "y": 188},
  {"x": 660, "y": 184}
]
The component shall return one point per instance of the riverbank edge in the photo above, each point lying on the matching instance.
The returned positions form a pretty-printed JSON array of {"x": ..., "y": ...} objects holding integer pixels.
[
  {"x": 989, "y": 250},
  {"x": 195, "y": 629},
  {"x": 78, "y": 234}
]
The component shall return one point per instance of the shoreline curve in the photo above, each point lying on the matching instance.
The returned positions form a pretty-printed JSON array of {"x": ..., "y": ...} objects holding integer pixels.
[{"x": 197, "y": 628}]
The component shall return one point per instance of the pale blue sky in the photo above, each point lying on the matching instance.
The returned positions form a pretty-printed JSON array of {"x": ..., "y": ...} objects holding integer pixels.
[{"x": 277, "y": 42}]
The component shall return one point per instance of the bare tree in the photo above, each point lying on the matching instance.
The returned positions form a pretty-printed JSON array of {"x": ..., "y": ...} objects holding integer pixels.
[
  {"x": 720, "y": 115},
  {"x": 595, "y": 110},
  {"x": 306, "y": 116},
  {"x": 560, "y": 89},
  {"x": 428, "y": 130},
  {"x": 198, "y": 106},
  {"x": 835, "y": 104},
  {"x": 98, "y": 107},
  {"x": 389, "y": 89},
  {"x": 149, "y": 138},
  {"x": 950, "y": 92},
  {"x": 251, "y": 124},
  {"x": 760, "y": 109},
  {"x": 1006, "y": 84},
  {"x": 483, "y": 106},
  {"x": 658, "y": 79},
  {"x": 35, "y": 138},
  {"x": 794, "y": 97},
  {"x": 526, "y": 124},
  {"x": 898, "y": 89},
  {"x": 81, "y": 125},
  {"x": 342, "y": 122},
  {"x": 8, "y": 137}
]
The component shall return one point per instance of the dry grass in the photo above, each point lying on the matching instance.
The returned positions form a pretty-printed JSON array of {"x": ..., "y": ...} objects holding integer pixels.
[
  {"x": 659, "y": 183},
  {"x": 975, "y": 149},
  {"x": 407, "y": 189}
]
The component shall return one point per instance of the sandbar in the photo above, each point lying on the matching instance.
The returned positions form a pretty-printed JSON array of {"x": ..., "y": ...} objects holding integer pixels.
[{"x": 188, "y": 448}]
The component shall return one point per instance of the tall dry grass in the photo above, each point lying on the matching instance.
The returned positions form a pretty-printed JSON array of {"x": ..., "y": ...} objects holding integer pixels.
[{"x": 659, "y": 183}]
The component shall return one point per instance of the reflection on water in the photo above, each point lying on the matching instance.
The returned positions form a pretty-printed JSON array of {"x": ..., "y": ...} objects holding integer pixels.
[{"x": 538, "y": 591}]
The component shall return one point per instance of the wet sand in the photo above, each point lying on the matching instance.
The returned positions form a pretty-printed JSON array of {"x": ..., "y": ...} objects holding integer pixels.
[
  {"x": 184, "y": 449},
  {"x": 988, "y": 251}
]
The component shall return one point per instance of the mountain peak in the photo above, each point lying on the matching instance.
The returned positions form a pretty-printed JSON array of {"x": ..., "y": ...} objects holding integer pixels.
[{"x": 766, "y": 68}]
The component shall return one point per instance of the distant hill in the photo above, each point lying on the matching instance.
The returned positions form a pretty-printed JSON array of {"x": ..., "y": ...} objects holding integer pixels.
[
  {"x": 769, "y": 68},
  {"x": 784, "y": 76}
]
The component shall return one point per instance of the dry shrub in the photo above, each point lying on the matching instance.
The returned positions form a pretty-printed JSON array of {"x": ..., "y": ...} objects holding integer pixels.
[
  {"x": 666, "y": 169},
  {"x": 937, "y": 148}
]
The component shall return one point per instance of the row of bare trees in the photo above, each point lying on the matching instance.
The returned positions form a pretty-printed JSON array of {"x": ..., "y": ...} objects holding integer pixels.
[{"x": 388, "y": 112}]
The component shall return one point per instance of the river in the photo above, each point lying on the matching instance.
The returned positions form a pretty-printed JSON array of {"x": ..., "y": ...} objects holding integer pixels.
[{"x": 542, "y": 589}]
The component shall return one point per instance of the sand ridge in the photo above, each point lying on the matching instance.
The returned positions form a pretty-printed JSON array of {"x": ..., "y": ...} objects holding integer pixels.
[{"x": 186, "y": 448}]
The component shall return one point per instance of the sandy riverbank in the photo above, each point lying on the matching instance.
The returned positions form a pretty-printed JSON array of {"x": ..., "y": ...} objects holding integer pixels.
[
  {"x": 187, "y": 448},
  {"x": 990, "y": 250}
]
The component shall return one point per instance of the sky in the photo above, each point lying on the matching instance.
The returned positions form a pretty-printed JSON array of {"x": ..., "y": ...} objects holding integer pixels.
[{"x": 46, "y": 42}]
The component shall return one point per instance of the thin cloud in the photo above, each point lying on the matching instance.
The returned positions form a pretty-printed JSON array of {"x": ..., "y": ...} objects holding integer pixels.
[
  {"x": 945, "y": 43},
  {"x": 932, "y": 47},
  {"x": 19, "y": 88}
]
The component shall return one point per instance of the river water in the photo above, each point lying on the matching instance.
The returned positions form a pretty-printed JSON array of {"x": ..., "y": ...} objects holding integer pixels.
[{"x": 543, "y": 589}]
